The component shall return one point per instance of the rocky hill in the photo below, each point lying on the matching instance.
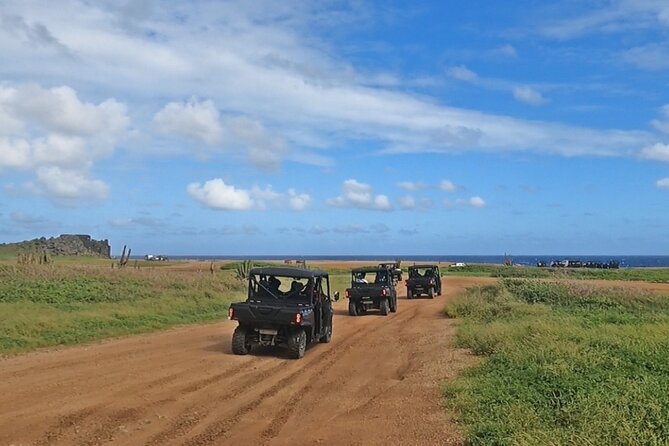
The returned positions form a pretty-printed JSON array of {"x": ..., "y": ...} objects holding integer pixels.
[{"x": 66, "y": 245}]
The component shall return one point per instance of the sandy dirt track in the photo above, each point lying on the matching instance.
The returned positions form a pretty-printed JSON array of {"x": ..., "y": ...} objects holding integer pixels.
[{"x": 376, "y": 383}]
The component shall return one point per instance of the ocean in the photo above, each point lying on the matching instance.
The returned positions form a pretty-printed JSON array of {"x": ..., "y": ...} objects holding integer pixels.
[{"x": 625, "y": 261}]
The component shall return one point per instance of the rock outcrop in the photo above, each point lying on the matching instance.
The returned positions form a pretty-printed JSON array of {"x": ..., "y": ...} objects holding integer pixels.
[{"x": 68, "y": 245}]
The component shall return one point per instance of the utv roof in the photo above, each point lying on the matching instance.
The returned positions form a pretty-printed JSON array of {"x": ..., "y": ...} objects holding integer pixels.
[
  {"x": 424, "y": 265},
  {"x": 368, "y": 269},
  {"x": 288, "y": 272}
]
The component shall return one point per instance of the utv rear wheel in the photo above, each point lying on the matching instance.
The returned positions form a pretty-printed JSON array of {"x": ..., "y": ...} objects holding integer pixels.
[
  {"x": 352, "y": 309},
  {"x": 385, "y": 308},
  {"x": 297, "y": 344},
  {"x": 430, "y": 293},
  {"x": 327, "y": 337},
  {"x": 239, "y": 344}
]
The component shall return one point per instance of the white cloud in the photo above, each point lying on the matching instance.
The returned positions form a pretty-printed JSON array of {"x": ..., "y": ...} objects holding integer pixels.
[
  {"x": 412, "y": 186},
  {"x": 297, "y": 201},
  {"x": 69, "y": 186},
  {"x": 448, "y": 186},
  {"x": 272, "y": 72},
  {"x": 657, "y": 152},
  {"x": 506, "y": 50},
  {"x": 662, "y": 124},
  {"x": 408, "y": 202},
  {"x": 463, "y": 73},
  {"x": 216, "y": 194},
  {"x": 653, "y": 57},
  {"x": 192, "y": 119},
  {"x": 59, "y": 137},
  {"x": 476, "y": 202},
  {"x": 663, "y": 183},
  {"x": 360, "y": 195},
  {"x": 528, "y": 95},
  {"x": 473, "y": 202}
]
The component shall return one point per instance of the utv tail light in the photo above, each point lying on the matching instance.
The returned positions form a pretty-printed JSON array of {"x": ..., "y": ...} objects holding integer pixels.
[
  {"x": 298, "y": 318},
  {"x": 384, "y": 292},
  {"x": 348, "y": 294},
  {"x": 231, "y": 313}
]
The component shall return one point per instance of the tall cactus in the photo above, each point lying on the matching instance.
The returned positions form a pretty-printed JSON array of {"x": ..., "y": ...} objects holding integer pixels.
[{"x": 243, "y": 269}]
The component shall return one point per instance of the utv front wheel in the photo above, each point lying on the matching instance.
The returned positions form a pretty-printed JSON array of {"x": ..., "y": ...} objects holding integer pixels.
[
  {"x": 385, "y": 308},
  {"x": 352, "y": 309},
  {"x": 393, "y": 305},
  {"x": 297, "y": 344},
  {"x": 430, "y": 293},
  {"x": 239, "y": 344},
  {"x": 409, "y": 293}
]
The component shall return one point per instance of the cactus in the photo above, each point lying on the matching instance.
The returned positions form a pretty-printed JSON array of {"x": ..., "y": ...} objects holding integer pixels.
[{"x": 243, "y": 269}]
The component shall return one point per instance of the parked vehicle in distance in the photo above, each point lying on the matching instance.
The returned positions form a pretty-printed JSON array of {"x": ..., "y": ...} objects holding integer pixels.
[
  {"x": 423, "y": 279},
  {"x": 286, "y": 307},
  {"x": 395, "y": 269},
  {"x": 371, "y": 288}
]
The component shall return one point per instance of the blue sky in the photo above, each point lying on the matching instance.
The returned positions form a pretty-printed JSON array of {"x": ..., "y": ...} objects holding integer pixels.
[{"x": 337, "y": 127}]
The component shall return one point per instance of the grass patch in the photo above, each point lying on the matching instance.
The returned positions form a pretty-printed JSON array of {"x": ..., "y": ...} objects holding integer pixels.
[
  {"x": 655, "y": 275},
  {"x": 60, "y": 305},
  {"x": 565, "y": 364}
]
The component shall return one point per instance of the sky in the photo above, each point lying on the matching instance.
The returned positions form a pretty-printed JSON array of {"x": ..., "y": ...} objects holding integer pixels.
[{"x": 337, "y": 127}]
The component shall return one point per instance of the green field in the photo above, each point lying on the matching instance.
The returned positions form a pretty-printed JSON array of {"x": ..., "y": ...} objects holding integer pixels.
[
  {"x": 562, "y": 364},
  {"x": 656, "y": 275},
  {"x": 77, "y": 300}
]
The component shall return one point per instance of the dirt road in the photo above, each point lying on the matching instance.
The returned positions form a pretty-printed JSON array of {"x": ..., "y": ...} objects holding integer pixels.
[{"x": 376, "y": 383}]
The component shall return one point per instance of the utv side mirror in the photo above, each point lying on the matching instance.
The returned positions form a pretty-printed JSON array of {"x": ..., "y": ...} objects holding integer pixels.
[{"x": 336, "y": 296}]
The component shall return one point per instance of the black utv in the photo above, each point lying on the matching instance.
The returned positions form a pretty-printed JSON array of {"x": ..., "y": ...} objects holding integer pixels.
[
  {"x": 395, "y": 269},
  {"x": 423, "y": 279},
  {"x": 371, "y": 288},
  {"x": 286, "y": 307}
]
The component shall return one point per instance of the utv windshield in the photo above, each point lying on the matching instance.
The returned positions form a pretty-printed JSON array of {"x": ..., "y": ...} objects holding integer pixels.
[
  {"x": 360, "y": 278},
  {"x": 422, "y": 272},
  {"x": 269, "y": 287}
]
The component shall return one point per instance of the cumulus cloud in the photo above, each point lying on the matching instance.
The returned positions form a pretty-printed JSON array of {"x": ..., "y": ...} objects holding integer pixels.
[
  {"x": 194, "y": 119},
  {"x": 69, "y": 187},
  {"x": 662, "y": 124},
  {"x": 506, "y": 50},
  {"x": 463, "y": 73},
  {"x": 657, "y": 152},
  {"x": 528, "y": 95},
  {"x": 412, "y": 186},
  {"x": 59, "y": 137},
  {"x": 408, "y": 202},
  {"x": 448, "y": 186},
  {"x": 473, "y": 202},
  {"x": 216, "y": 194},
  {"x": 663, "y": 183},
  {"x": 297, "y": 201},
  {"x": 360, "y": 195},
  {"x": 476, "y": 202}
]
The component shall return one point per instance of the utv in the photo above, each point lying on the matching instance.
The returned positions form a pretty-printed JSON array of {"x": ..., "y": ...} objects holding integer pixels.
[
  {"x": 423, "y": 279},
  {"x": 286, "y": 307},
  {"x": 371, "y": 287},
  {"x": 395, "y": 270}
]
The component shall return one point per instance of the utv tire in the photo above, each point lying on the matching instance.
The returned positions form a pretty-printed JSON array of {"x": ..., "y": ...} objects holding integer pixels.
[
  {"x": 297, "y": 344},
  {"x": 430, "y": 293},
  {"x": 239, "y": 344},
  {"x": 409, "y": 293},
  {"x": 384, "y": 307},
  {"x": 393, "y": 305},
  {"x": 352, "y": 309},
  {"x": 327, "y": 337}
]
